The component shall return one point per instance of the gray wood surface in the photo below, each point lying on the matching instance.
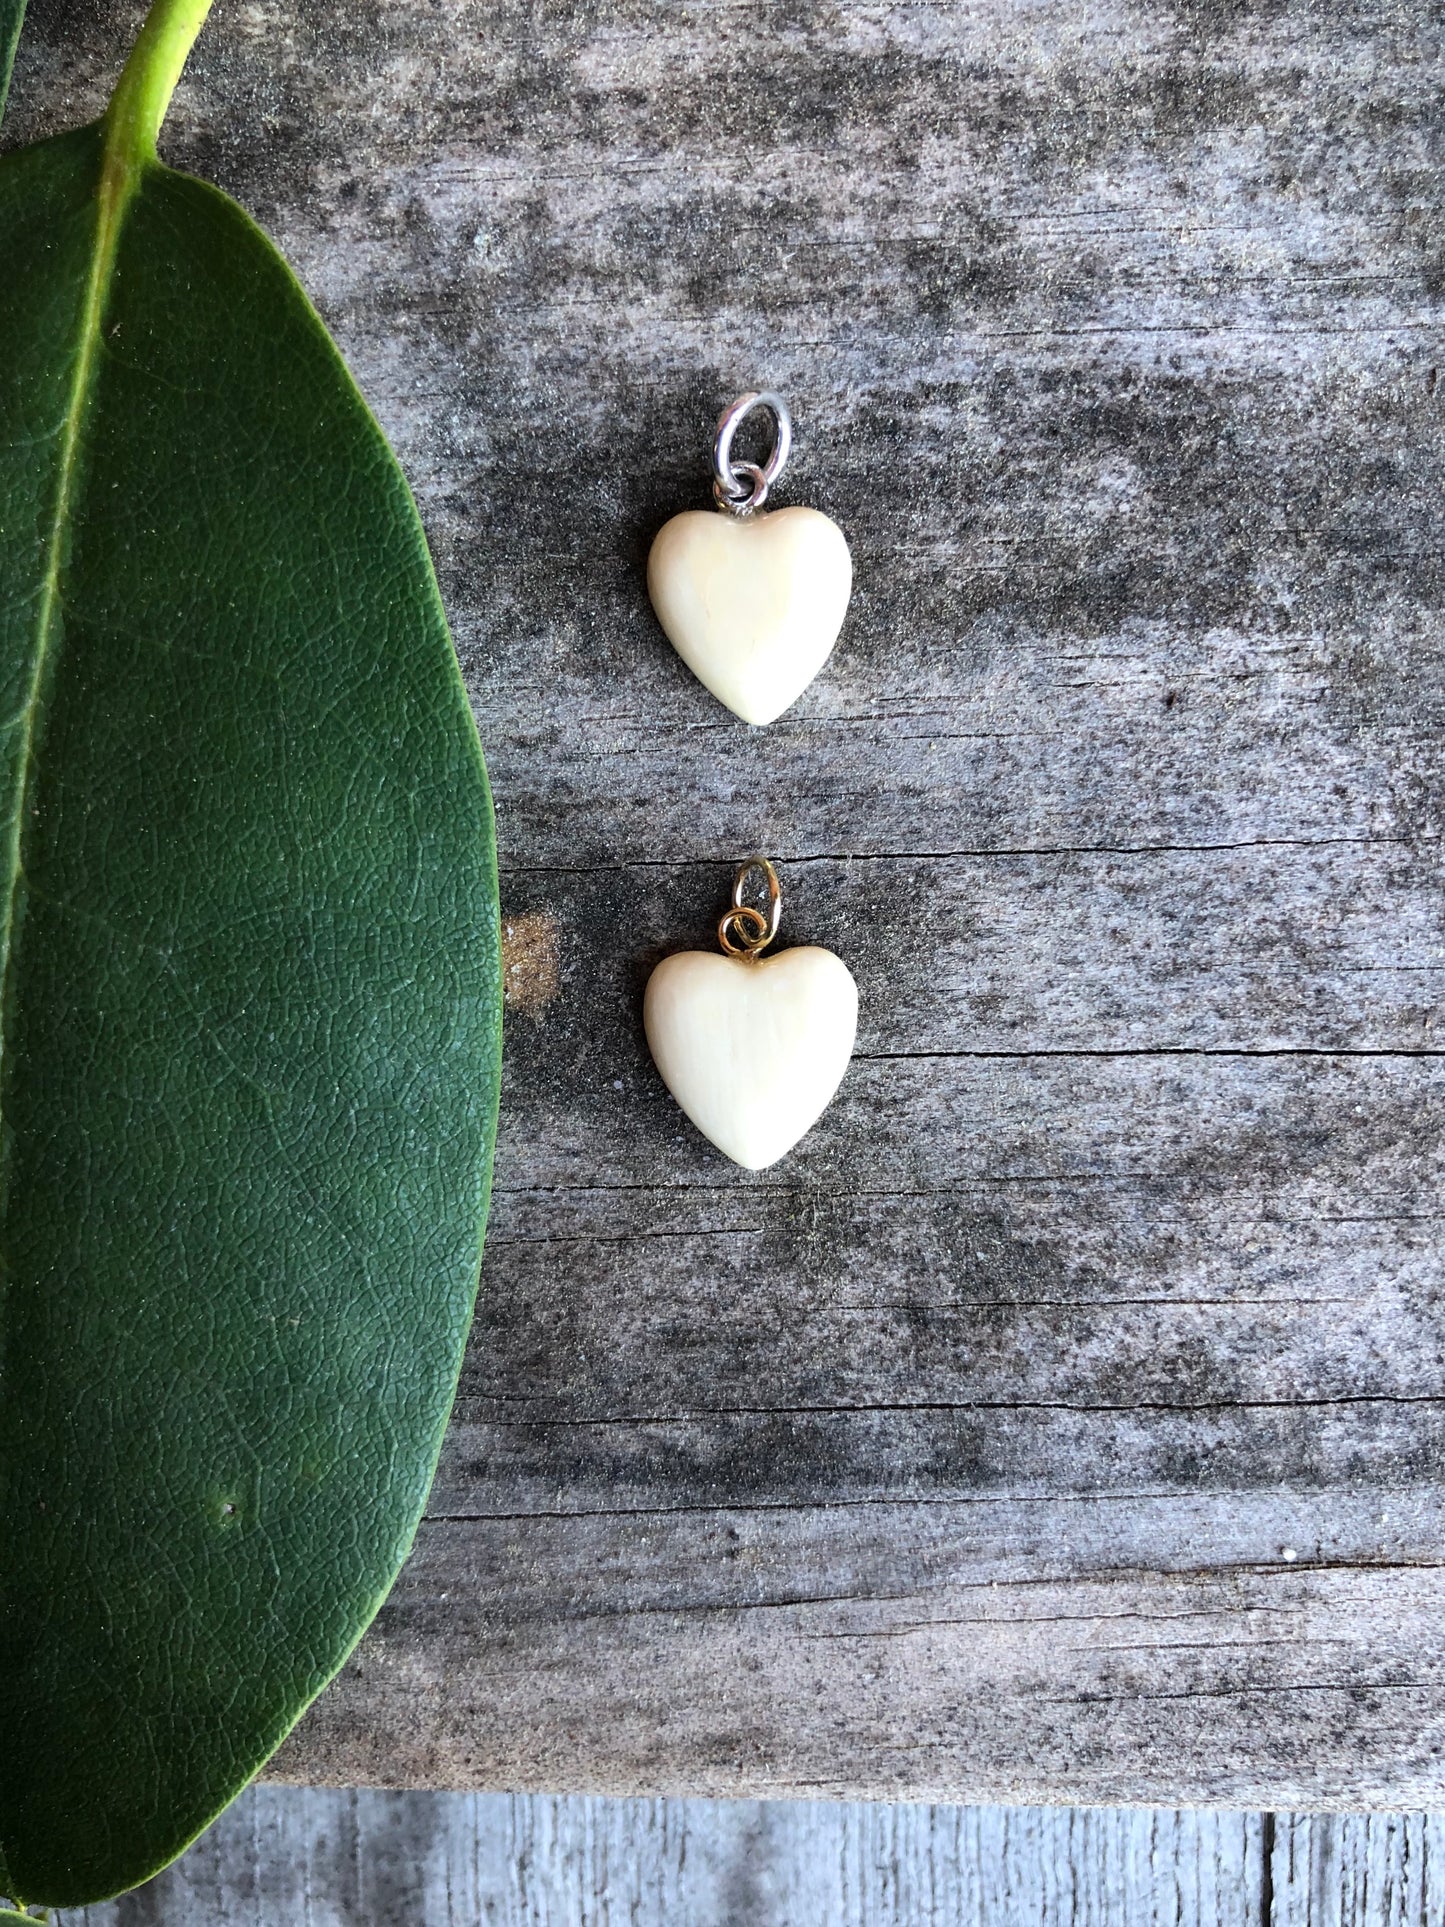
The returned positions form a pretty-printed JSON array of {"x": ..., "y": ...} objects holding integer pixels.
[
  {"x": 304, "y": 1857},
  {"x": 1064, "y": 1420}
]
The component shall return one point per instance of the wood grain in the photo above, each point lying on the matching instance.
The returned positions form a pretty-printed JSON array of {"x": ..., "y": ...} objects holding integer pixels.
[
  {"x": 336, "y": 1859},
  {"x": 349, "y": 1859},
  {"x": 1064, "y": 1420}
]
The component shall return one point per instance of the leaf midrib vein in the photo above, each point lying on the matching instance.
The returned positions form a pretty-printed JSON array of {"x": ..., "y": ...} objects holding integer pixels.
[{"x": 119, "y": 176}]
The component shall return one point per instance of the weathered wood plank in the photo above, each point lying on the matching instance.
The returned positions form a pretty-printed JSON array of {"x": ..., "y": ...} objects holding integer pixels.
[
  {"x": 1362, "y": 1870},
  {"x": 393, "y": 1860},
  {"x": 885, "y": 1648},
  {"x": 348, "y": 1859},
  {"x": 1065, "y": 1419}
]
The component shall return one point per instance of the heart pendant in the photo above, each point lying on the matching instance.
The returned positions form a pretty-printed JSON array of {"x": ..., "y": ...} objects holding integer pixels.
[
  {"x": 753, "y": 1048},
  {"x": 753, "y": 604}
]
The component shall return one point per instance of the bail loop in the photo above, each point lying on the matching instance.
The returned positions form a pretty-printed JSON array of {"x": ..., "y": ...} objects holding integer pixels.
[
  {"x": 741, "y": 488},
  {"x": 744, "y": 931}
]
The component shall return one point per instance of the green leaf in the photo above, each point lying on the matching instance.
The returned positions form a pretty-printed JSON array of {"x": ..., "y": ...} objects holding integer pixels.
[
  {"x": 250, "y": 993},
  {"x": 12, "y": 13}
]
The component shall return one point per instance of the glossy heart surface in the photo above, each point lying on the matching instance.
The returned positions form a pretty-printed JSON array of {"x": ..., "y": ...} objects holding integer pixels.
[
  {"x": 753, "y": 1049},
  {"x": 752, "y": 605}
]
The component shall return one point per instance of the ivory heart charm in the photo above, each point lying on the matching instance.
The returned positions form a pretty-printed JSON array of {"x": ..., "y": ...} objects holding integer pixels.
[
  {"x": 752, "y": 1048},
  {"x": 753, "y": 604}
]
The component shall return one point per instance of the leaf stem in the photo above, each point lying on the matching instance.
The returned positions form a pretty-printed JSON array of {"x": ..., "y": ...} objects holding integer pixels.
[{"x": 148, "y": 79}]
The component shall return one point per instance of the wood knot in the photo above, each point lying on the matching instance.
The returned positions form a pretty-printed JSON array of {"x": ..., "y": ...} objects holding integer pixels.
[{"x": 531, "y": 961}]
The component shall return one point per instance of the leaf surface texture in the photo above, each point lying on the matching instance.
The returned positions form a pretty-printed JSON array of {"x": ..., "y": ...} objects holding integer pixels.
[
  {"x": 12, "y": 14},
  {"x": 249, "y": 1013}
]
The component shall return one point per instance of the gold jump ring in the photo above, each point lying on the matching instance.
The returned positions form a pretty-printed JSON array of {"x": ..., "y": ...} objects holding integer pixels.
[{"x": 743, "y": 917}]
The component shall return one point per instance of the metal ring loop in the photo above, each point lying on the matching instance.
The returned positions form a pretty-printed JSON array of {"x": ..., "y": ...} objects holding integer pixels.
[
  {"x": 740, "y": 504},
  {"x": 742, "y": 914},
  {"x": 726, "y": 483},
  {"x": 775, "y": 893}
]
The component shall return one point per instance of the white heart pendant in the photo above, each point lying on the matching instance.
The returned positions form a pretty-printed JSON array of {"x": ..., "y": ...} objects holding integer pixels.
[
  {"x": 753, "y": 605},
  {"x": 753, "y": 1048}
]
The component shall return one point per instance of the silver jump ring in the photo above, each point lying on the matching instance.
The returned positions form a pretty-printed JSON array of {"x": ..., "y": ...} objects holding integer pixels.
[
  {"x": 743, "y": 502},
  {"x": 729, "y": 483}
]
